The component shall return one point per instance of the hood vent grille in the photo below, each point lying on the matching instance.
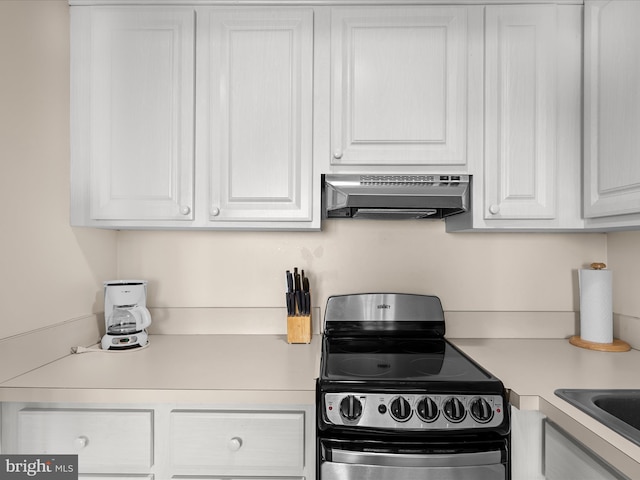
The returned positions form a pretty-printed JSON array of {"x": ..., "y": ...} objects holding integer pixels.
[{"x": 395, "y": 196}]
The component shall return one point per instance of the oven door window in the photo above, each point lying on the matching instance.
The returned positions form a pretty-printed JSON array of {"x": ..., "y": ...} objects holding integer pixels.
[{"x": 342, "y": 464}]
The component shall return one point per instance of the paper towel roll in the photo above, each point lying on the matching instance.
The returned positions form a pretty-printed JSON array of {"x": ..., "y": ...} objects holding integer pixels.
[{"x": 596, "y": 306}]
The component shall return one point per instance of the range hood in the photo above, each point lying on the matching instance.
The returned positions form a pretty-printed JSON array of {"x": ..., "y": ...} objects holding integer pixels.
[{"x": 394, "y": 196}]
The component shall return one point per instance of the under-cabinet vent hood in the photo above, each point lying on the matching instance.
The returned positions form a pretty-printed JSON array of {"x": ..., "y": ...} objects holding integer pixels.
[{"x": 394, "y": 196}]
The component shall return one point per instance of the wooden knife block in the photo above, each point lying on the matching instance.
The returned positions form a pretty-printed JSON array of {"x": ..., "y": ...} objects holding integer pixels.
[{"x": 299, "y": 329}]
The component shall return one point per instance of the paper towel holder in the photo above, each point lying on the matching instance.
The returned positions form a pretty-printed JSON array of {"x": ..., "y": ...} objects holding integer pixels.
[{"x": 616, "y": 346}]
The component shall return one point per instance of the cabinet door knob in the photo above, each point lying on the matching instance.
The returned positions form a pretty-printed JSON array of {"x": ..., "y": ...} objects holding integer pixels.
[
  {"x": 494, "y": 209},
  {"x": 80, "y": 442},
  {"x": 215, "y": 211},
  {"x": 185, "y": 210},
  {"x": 235, "y": 443},
  {"x": 337, "y": 154}
]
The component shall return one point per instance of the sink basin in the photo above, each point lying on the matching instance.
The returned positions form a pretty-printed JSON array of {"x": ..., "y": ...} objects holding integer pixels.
[{"x": 617, "y": 409}]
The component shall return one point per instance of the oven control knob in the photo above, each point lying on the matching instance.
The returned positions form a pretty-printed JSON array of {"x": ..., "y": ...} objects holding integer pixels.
[
  {"x": 400, "y": 409},
  {"x": 427, "y": 409},
  {"x": 481, "y": 410},
  {"x": 454, "y": 410},
  {"x": 350, "y": 408}
]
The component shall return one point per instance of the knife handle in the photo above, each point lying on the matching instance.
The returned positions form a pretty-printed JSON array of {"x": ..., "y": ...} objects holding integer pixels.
[
  {"x": 291, "y": 304},
  {"x": 299, "y": 303},
  {"x": 307, "y": 302}
]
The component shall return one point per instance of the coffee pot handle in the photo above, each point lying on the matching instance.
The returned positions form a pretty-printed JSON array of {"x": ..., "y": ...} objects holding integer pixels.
[{"x": 146, "y": 317}]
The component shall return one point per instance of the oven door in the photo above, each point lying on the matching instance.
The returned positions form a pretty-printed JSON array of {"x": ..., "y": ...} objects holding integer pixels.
[{"x": 398, "y": 462}]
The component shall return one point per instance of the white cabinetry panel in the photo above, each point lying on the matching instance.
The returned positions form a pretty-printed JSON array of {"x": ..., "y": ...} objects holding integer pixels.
[
  {"x": 259, "y": 72},
  {"x": 565, "y": 458},
  {"x": 520, "y": 151},
  {"x": 240, "y": 443},
  {"x": 116, "y": 477},
  {"x": 399, "y": 85},
  {"x": 612, "y": 108},
  {"x": 199, "y": 477},
  {"x": 532, "y": 157},
  {"x": 96, "y": 436},
  {"x": 133, "y": 74},
  {"x": 162, "y": 441},
  {"x": 193, "y": 117}
]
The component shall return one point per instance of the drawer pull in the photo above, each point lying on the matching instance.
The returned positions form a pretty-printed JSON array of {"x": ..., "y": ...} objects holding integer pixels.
[
  {"x": 235, "y": 443},
  {"x": 81, "y": 442}
]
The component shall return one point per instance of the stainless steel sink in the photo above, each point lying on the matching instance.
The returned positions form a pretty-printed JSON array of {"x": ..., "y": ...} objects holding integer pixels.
[{"x": 617, "y": 409}]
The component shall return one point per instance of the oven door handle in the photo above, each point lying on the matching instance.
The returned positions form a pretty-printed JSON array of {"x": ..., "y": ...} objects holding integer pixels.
[{"x": 416, "y": 460}]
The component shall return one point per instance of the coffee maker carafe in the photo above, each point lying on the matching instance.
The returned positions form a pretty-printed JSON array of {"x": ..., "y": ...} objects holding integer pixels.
[{"x": 125, "y": 314}]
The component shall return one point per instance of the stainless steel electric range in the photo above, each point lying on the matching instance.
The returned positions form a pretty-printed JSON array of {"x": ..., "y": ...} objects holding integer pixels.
[{"x": 397, "y": 401}]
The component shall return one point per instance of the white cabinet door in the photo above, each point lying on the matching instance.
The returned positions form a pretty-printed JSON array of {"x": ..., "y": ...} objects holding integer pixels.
[
  {"x": 255, "y": 122},
  {"x": 531, "y": 178},
  {"x": 400, "y": 85},
  {"x": 565, "y": 458},
  {"x": 612, "y": 108},
  {"x": 527, "y": 443},
  {"x": 132, "y": 113},
  {"x": 520, "y": 112}
]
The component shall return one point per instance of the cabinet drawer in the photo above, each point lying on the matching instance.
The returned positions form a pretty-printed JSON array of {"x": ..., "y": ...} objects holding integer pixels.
[
  {"x": 100, "y": 438},
  {"x": 237, "y": 442},
  {"x": 116, "y": 477},
  {"x": 237, "y": 478}
]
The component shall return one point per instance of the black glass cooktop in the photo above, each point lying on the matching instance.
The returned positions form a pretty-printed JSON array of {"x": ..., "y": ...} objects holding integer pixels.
[{"x": 380, "y": 359}]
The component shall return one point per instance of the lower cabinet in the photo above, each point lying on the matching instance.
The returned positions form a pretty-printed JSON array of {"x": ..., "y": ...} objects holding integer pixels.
[
  {"x": 540, "y": 450},
  {"x": 231, "y": 442},
  {"x": 116, "y": 477},
  {"x": 162, "y": 441},
  {"x": 95, "y": 435},
  {"x": 527, "y": 444},
  {"x": 565, "y": 458}
]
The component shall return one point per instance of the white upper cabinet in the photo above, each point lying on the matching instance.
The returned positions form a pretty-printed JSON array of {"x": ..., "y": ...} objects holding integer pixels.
[
  {"x": 256, "y": 114},
  {"x": 531, "y": 175},
  {"x": 520, "y": 112},
  {"x": 193, "y": 117},
  {"x": 132, "y": 114},
  {"x": 612, "y": 113},
  {"x": 404, "y": 84},
  {"x": 218, "y": 116}
]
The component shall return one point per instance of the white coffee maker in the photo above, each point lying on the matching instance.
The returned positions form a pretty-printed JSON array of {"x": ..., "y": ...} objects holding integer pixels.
[{"x": 125, "y": 314}]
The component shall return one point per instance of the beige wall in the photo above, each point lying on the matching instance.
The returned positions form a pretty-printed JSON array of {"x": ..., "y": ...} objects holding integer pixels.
[
  {"x": 50, "y": 273},
  {"x": 624, "y": 259},
  {"x": 470, "y": 272}
]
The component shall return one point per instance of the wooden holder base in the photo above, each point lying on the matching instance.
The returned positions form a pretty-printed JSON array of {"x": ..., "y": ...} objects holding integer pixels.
[
  {"x": 299, "y": 329},
  {"x": 616, "y": 346}
]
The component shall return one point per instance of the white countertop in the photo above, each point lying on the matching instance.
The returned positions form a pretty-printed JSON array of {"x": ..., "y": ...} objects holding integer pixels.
[
  {"x": 533, "y": 369},
  {"x": 265, "y": 369},
  {"x": 179, "y": 368}
]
